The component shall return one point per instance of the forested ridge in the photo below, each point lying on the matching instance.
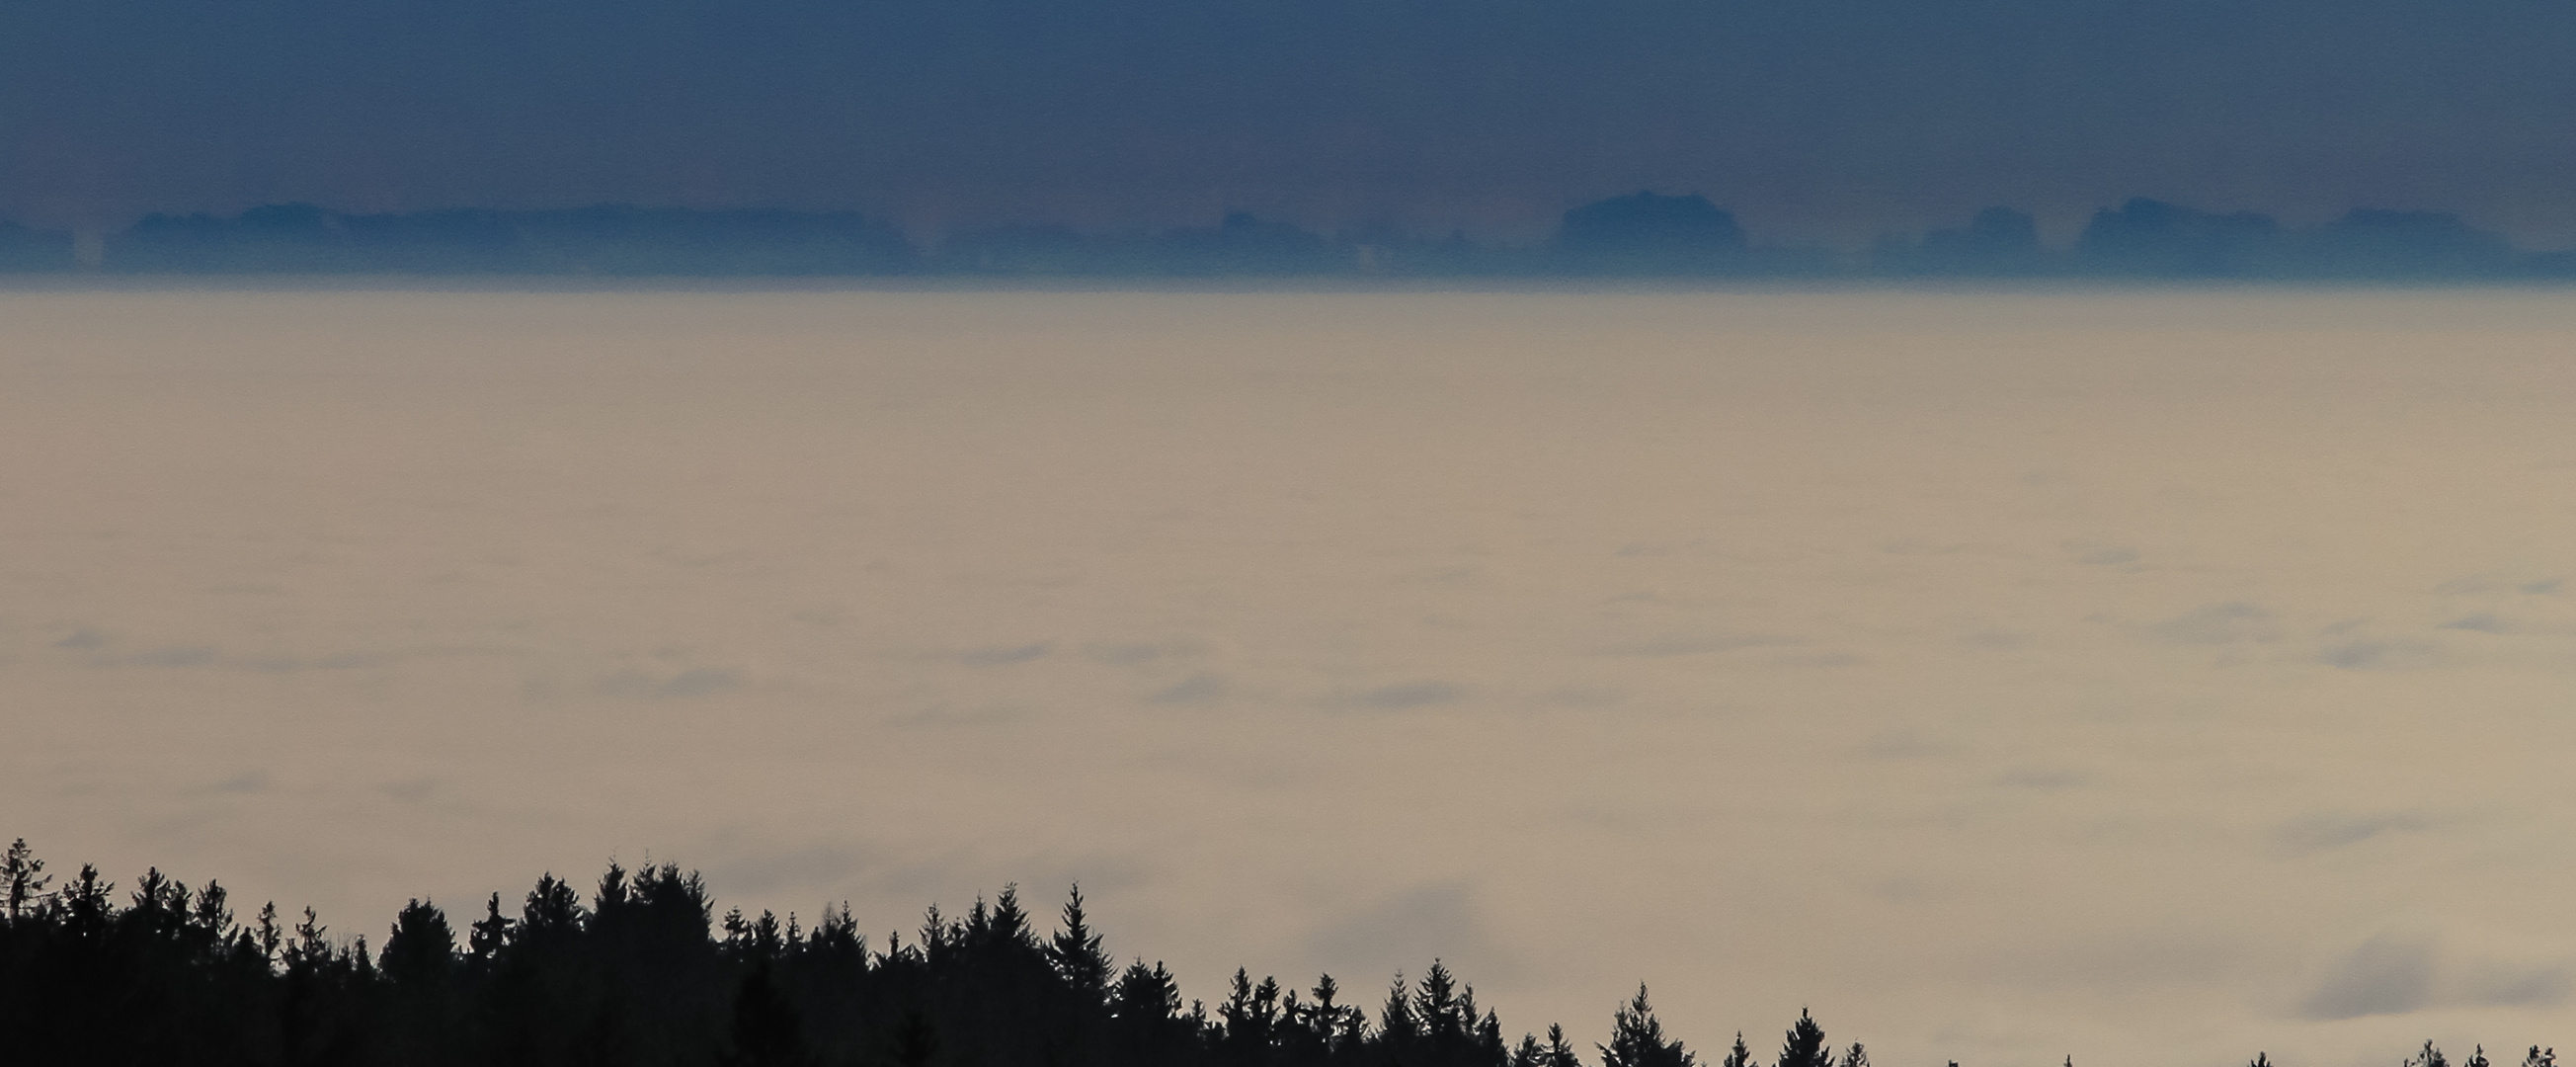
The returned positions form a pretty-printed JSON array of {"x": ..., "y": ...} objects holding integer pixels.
[
  {"x": 644, "y": 973},
  {"x": 1640, "y": 235}
]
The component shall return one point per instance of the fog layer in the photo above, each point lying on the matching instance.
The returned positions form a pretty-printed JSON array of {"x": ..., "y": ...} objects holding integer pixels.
[{"x": 2150, "y": 677}]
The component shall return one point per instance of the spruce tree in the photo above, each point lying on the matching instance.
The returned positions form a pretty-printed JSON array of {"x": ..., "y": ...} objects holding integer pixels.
[
  {"x": 1528, "y": 1053},
  {"x": 1336, "y": 1026},
  {"x": 1435, "y": 1003},
  {"x": 421, "y": 947},
  {"x": 1637, "y": 1039},
  {"x": 1805, "y": 1044},
  {"x": 1075, "y": 953},
  {"x": 551, "y": 914},
  {"x": 1560, "y": 1052},
  {"x": 1397, "y": 1026}
]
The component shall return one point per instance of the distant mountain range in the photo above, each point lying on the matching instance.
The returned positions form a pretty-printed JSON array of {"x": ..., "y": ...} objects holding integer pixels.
[{"x": 1642, "y": 235}]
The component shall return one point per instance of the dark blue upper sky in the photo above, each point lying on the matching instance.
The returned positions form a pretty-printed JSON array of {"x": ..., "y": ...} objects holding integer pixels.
[{"x": 1828, "y": 119}]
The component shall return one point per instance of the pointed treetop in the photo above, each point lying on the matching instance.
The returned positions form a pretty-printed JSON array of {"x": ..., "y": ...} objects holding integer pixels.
[
  {"x": 1637, "y": 1039},
  {"x": 1804, "y": 1045},
  {"x": 1076, "y": 952}
]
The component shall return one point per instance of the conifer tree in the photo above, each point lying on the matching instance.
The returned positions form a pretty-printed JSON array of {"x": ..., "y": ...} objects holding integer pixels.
[
  {"x": 211, "y": 918},
  {"x": 1487, "y": 1048},
  {"x": 1075, "y": 953},
  {"x": 268, "y": 937},
  {"x": 1009, "y": 922},
  {"x": 1435, "y": 1002},
  {"x": 159, "y": 903},
  {"x": 86, "y": 904},
  {"x": 1251, "y": 1018},
  {"x": 639, "y": 978},
  {"x": 1454, "y": 1033},
  {"x": 1145, "y": 1022},
  {"x": 1805, "y": 1044},
  {"x": 1637, "y": 1039},
  {"x": 1397, "y": 1026},
  {"x": 309, "y": 952},
  {"x": 1529, "y": 1053},
  {"x": 491, "y": 933},
  {"x": 551, "y": 914},
  {"x": 421, "y": 947},
  {"x": 24, "y": 876},
  {"x": 766, "y": 1029},
  {"x": 1147, "y": 996},
  {"x": 1560, "y": 1052},
  {"x": 763, "y": 938}
]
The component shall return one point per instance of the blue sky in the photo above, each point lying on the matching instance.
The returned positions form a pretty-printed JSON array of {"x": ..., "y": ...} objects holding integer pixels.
[{"x": 1815, "y": 120}]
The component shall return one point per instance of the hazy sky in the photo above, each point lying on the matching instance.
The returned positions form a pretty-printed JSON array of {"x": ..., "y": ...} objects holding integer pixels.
[
  {"x": 2153, "y": 678},
  {"x": 1817, "y": 119}
]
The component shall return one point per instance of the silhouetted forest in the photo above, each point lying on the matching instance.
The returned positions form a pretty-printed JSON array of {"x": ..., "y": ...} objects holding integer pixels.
[
  {"x": 641, "y": 971},
  {"x": 1641, "y": 235}
]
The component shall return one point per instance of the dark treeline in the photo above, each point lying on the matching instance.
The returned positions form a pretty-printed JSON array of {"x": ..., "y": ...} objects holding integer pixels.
[
  {"x": 642, "y": 972},
  {"x": 1639, "y": 235}
]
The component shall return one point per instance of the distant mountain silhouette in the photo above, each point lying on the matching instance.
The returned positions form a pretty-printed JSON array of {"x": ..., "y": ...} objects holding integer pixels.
[
  {"x": 606, "y": 240},
  {"x": 1635, "y": 236},
  {"x": 23, "y": 249},
  {"x": 1998, "y": 242},
  {"x": 1645, "y": 233},
  {"x": 2147, "y": 237},
  {"x": 2150, "y": 237},
  {"x": 2374, "y": 243},
  {"x": 1240, "y": 245}
]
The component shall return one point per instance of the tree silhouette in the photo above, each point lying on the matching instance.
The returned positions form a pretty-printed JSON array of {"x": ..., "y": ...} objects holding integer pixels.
[
  {"x": 421, "y": 947},
  {"x": 1559, "y": 1052},
  {"x": 643, "y": 976},
  {"x": 1805, "y": 1044},
  {"x": 1637, "y": 1039},
  {"x": 1076, "y": 953},
  {"x": 766, "y": 1029},
  {"x": 24, "y": 876}
]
